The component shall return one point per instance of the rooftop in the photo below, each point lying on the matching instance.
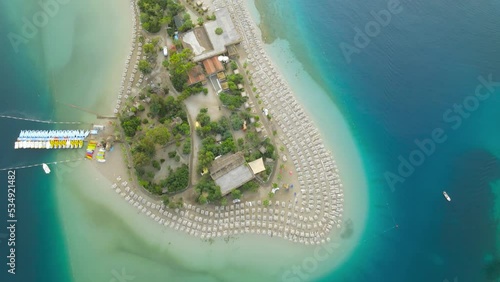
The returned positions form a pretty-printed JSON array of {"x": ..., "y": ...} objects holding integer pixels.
[
  {"x": 212, "y": 65},
  {"x": 205, "y": 43},
  {"x": 196, "y": 75},
  {"x": 197, "y": 40},
  {"x": 230, "y": 172},
  {"x": 178, "y": 20},
  {"x": 257, "y": 166}
]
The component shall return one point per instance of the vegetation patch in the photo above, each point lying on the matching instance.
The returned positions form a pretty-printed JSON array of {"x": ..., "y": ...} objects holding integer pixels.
[
  {"x": 177, "y": 180},
  {"x": 155, "y": 13}
]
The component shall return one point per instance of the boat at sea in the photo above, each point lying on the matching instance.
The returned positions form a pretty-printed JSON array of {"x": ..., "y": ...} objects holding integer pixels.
[
  {"x": 46, "y": 168},
  {"x": 446, "y": 196}
]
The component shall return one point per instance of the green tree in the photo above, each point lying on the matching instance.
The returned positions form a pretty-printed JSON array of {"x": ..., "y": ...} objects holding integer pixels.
[
  {"x": 148, "y": 48},
  {"x": 185, "y": 129},
  {"x": 236, "y": 194},
  {"x": 265, "y": 203},
  {"x": 227, "y": 146},
  {"x": 223, "y": 202},
  {"x": 180, "y": 64},
  {"x": 153, "y": 13},
  {"x": 177, "y": 180},
  {"x": 186, "y": 149},
  {"x": 236, "y": 122},
  {"x": 140, "y": 159},
  {"x": 156, "y": 164},
  {"x": 234, "y": 65},
  {"x": 232, "y": 101},
  {"x": 205, "y": 158},
  {"x": 207, "y": 186},
  {"x": 145, "y": 67},
  {"x": 159, "y": 135},
  {"x": 187, "y": 25},
  {"x": 144, "y": 145},
  {"x": 218, "y": 31},
  {"x": 203, "y": 118},
  {"x": 130, "y": 125},
  {"x": 202, "y": 199}
]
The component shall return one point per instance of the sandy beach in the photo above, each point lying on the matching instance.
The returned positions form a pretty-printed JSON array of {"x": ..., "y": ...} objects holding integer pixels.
[
  {"x": 101, "y": 195},
  {"x": 317, "y": 206}
]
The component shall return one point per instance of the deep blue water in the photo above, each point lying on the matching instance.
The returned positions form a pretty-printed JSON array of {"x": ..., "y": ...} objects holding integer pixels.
[
  {"x": 400, "y": 87},
  {"x": 40, "y": 248},
  {"x": 395, "y": 90}
]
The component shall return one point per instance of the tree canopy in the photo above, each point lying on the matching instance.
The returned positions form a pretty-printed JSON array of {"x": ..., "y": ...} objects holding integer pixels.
[
  {"x": 177, "y": 180},
  {"x": 159, "y": 134},
  {"x": 180, "y": 64},
  {"x": 236, "y": 194},
  {"x": 155, "y": 13},
  {"x": 130, "y": 125},
  {"x": 145, "y": 66},
  {"x": 207, "y": 187}
]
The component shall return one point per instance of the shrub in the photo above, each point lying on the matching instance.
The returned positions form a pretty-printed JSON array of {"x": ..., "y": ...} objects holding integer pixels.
[
  {"x": 186, "y": 149},
  {"x": 218, "y": 31},
  {"x": 145, "y": 67},
  {"x": 156, "y": 164},
  {"x": 177, "y": 180},
  {"x": 172, "y": 154}
]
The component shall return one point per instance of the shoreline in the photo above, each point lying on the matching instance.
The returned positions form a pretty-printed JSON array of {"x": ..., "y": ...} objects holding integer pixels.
[
  {"x": 325, "y": 115},
  {"x": 319, "y": 205},
  {"x": 246, "y": 238}
]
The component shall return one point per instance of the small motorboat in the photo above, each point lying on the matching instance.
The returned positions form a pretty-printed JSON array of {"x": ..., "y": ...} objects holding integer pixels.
[
  {"x": 446, "y": 196},
  {"x": 46, "y": 168}
]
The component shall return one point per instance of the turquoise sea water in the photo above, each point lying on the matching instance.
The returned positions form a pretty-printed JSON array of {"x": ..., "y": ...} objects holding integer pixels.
[
  {"x": 39, "y": 248},
  {"x": 395, "y": 90},
  {"x": 42, "y": 68}
]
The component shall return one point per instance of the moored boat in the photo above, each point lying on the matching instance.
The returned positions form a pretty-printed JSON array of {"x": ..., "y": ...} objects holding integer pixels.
[
  {"x": 446, "y": 196},
  {"x": 46, "y": 168}
]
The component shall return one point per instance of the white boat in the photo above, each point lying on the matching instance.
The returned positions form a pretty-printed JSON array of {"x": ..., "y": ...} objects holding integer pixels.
[
  {"x": 46, "y": 168},
  {"x": 446, "y": 196}
]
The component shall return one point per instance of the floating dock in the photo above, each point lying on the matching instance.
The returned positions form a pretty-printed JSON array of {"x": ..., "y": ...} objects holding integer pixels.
[{"x": 51, "y": 139}]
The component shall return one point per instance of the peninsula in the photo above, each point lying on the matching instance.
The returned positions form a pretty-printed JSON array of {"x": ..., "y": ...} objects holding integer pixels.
[{"x": 213, "y": 137}]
